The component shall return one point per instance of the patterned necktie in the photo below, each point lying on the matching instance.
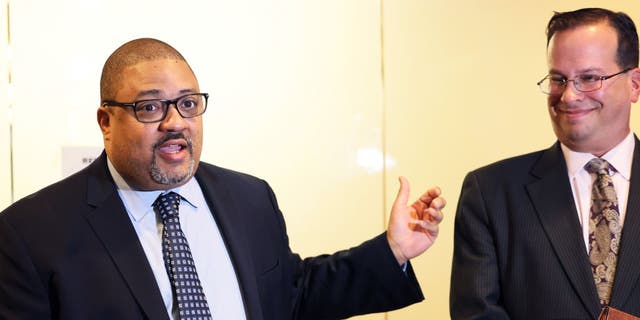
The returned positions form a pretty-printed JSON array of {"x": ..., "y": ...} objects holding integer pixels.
[
  {"x": 192, "y": 303},
  {"x": 604, "y": 228}
]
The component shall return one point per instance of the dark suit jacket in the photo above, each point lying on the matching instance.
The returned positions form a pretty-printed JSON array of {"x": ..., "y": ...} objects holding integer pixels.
[
  {"x": 69, "y": 251},
  {"x": 518, "y": 246}
]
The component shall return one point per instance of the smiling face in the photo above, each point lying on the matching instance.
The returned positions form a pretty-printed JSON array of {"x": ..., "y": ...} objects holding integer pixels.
[
  {"x": 593, "y": 121},
  {"x": 160, "y": 155}
]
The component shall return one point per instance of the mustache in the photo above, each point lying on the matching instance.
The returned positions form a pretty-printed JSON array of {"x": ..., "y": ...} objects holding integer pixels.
[{"x": 172, "y": 136}]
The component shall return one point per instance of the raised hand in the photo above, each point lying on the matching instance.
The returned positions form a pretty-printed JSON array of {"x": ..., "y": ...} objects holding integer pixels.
[{"x": 413, "y": 229}]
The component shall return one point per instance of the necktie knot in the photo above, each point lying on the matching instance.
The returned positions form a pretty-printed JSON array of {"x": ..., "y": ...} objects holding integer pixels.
[
  {"x": 598, "y": 166},
  {"x": 167, "y": 205}
]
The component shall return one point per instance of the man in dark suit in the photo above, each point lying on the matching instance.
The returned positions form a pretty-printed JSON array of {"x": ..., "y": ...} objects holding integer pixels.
[
  {"x": 92, "y": 245},
  {"x": 527, "y": 237}
]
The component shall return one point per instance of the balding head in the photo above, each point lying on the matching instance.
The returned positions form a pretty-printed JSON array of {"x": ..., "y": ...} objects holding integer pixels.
[{"x": 129, "y": 54}]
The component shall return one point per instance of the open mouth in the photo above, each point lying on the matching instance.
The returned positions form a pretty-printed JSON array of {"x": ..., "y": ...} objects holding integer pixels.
[{"x": 172, "y": 148}]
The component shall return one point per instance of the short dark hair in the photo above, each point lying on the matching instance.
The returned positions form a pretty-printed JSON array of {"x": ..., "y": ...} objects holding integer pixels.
[
  {"x": 129, "y": 54},
  {"x": 627, "y": 51}
]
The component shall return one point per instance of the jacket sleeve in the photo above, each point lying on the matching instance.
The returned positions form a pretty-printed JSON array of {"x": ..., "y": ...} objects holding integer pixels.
[
  {"x": 361, "y": 280},
  {"x": 364, "y": 279}
]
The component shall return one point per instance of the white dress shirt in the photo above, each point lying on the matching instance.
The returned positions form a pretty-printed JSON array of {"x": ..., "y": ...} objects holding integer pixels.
[
  {"x": 210, "y": 255},
  {"x": 621, "y": 158}
]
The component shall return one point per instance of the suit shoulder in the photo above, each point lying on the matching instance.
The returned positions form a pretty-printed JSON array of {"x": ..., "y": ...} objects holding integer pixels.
[
  {"x": 516, "y": 166},
  {"x": 210, "y": 171},
  {"x": 63, "y": 193}
]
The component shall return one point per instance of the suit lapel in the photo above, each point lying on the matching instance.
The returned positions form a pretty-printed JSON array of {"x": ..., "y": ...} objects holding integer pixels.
[
  {"x": 111, "y": 224},
  {"x": 231, "y": 223},
  {"x": 552, "y": 199},
  {"x": 626, "y": 276}
]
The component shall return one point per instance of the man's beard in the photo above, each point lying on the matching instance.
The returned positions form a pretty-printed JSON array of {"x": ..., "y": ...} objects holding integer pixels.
[{"x": 161, "y": 177}]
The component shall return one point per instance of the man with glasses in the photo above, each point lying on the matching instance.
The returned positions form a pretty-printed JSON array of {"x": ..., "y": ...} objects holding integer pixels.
[
  {"x": 555, "y": 234},
  {"x": 147, "y": 231}
]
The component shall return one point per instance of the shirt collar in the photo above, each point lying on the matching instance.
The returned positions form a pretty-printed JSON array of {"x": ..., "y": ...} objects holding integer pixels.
[
  {"x": 620, "y": 157},
  {"x": 140, "y": 203}
]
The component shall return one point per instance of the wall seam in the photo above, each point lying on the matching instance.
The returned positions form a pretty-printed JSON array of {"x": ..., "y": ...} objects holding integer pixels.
[
  {"x": 383, "y": 124},
  {"x": 10, "y": 103}
]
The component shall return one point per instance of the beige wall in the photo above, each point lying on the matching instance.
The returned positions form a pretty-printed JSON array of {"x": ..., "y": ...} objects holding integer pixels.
[{"x": 310, "y": 95}]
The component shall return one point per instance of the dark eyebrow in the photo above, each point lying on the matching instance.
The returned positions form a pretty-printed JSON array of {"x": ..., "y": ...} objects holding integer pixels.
[
  {"x": 580, "y": 72},
  {"x": 592, "y": 70},
  {"x": 154, "y": 93},
  {"x": 141, "y": 94},
  {"x": 555, "y": 72}
]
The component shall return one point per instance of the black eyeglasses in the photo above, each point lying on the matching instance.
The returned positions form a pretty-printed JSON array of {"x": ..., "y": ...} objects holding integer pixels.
[
  {"x": 155, "y": 110},
  {"x": 553, "y": 85}
]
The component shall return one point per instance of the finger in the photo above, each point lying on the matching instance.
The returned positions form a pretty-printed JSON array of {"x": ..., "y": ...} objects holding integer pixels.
[
  {"x": 435, "y": 192},
  {"x": 403, "y": 193},
  {"x": 433, "y": 215},
  {"x": 438, "y": 203},
  {"x": 432, "y": 228},
  {"x": 430, "y": 194}
]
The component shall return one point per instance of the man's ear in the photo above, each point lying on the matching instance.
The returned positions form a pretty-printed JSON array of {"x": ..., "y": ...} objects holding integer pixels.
[
  {"x": 635, "y": 84},
  {"x": 104, "y": 121}
]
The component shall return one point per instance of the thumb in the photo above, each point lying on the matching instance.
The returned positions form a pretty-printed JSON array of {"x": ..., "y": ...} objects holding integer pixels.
[{"x": 403, "y": 193}]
